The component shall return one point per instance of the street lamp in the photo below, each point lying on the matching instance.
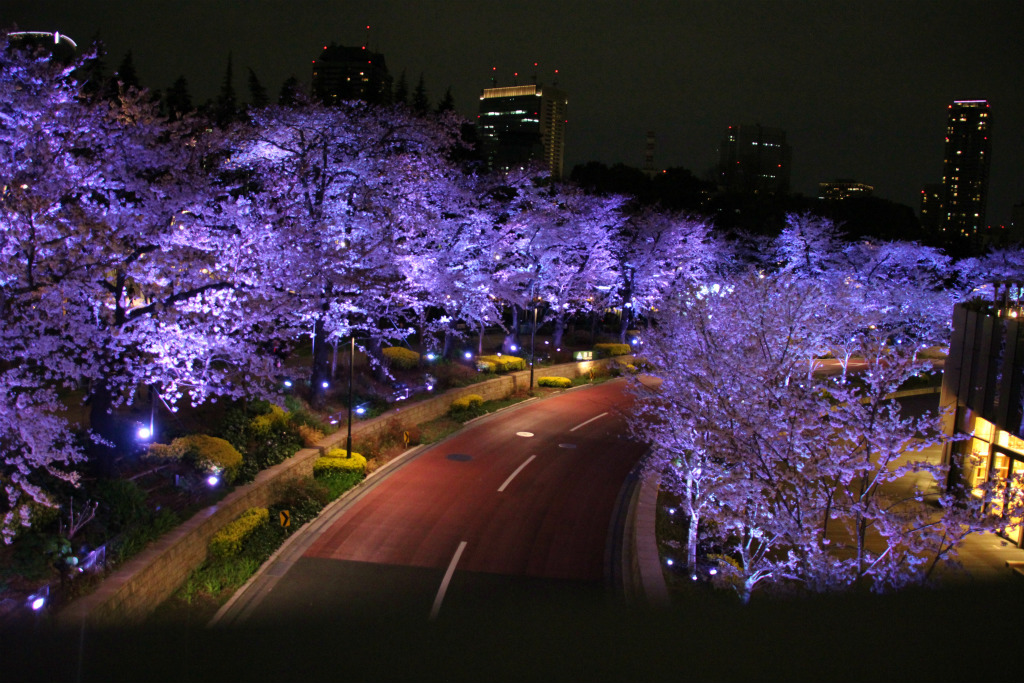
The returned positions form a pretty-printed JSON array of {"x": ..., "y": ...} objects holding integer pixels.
[
  {"x": 533, "y": 338},
  {"x": 351, "y": 374}
]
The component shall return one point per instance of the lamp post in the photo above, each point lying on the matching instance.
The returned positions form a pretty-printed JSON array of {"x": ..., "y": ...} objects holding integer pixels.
[
  {"x": 533, "y": 337},
  {"x": 351, "y": 374}
]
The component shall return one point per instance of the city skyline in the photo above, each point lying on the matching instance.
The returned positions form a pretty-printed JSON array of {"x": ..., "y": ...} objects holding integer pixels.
[{"x": 861, "y": 91}]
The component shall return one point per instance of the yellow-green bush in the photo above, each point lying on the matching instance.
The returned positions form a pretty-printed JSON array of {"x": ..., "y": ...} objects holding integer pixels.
[
  {"x": 502, "y": 363},
  {"x": 401, "y": 357},
  {"x": 207, "y": 452},
  {"x": 341, "y": 462},
  {"x": 264, "y": 424},
  {"x": 466, "y": 402},
  {"x": 228, "y": 541},
  {"x": 556, "y": 382},
  {"x": 610, "y": 350}
]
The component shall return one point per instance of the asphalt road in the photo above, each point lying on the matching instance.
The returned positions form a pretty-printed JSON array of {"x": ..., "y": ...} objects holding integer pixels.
[{"x": 519, "y": 507}]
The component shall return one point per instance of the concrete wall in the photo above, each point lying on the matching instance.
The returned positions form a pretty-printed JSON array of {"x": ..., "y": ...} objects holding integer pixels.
[{"x": 131, "y": 593}]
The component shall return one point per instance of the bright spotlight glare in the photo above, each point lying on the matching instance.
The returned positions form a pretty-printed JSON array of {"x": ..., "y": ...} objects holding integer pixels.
[
  {"x": 212, "y": 480},
  {"x": 37, "y": 603},
  {"x": 144, "y": 433},
  {"x": 324, "y": 384},
  {"x": 288, "y": 383},
  {"x": 468, "y": 354}
]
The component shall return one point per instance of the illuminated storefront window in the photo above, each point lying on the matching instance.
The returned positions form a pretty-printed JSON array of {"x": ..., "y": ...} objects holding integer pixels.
[{"x": 998, "y": 456}]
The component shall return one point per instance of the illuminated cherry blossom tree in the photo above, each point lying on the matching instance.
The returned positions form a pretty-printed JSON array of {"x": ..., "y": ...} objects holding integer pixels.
[
  {"x": 342, "y": 199},
  {"x": 790, "y": 474}
]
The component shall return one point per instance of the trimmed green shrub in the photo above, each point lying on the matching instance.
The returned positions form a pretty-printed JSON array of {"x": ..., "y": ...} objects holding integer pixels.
[
  {"x": 466, "y": 402},
  {"x": 556, "y": 382},
  {"x": 206, "y": 452},
  {"x": 502, "y": 363},
  {"x": 611, "y": 350},
  {"x": 401, "y": 357},
  {"x": 324, "y": 466},
  {"x": 228, "y": 541}
]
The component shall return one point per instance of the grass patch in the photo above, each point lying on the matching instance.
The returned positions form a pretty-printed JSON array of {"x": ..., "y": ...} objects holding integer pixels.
[{"x": 217, "y": 579}]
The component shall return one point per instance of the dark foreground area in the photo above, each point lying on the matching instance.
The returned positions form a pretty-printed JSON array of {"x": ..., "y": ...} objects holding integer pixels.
[{"x": 926, "y": 635}]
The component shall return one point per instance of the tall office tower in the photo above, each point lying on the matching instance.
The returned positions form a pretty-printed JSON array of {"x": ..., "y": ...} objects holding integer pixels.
[
  {"x": 350, "y": 73},
  {"x": 965, "y": 168},
  {"x": 523, "y": 123},
  {"x": 754, "y": 159}
]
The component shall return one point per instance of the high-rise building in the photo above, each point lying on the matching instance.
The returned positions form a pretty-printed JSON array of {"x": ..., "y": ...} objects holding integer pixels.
[
  {"x": 350, "y": 73},
  {"x": 839, "y": 190},
  {"x": 754, "y": 159},
  {"x": 965, "y": 168},
  {"x": 58, "y": 45},
  {"x": 523, "y": 123},
  {"x": 931, "y": 208}
]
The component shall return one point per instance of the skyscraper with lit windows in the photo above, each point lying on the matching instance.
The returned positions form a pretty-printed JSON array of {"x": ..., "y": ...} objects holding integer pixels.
[
  {"x": 754, "y": 159},
  {"x": 965, "y": 168},
  {"x": 522, "y": 123}
]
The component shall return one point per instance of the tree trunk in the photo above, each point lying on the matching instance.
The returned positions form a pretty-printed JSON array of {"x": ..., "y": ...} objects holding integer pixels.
[
  {"x": 321, "y": 367},
  {"x": 102, "y": 422},
  {"x": 556, "y": 337}
]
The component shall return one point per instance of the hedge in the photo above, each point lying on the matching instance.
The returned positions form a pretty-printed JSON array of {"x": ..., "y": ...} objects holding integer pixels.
[
  {"x": 611, "y": 350},
  {"x": 338, "y": 460},
  {"x": 228, "y": 541},
  {"x": 500, "y": 363},
  {"x": 556, "y": 382},
  {"x": 207, "y": 452},
  {"x": 466, "y": 402},
  {"x": 401, "y": 357}
]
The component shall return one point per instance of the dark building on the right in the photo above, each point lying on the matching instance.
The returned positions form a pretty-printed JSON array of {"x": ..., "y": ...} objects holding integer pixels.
[{"x": 965, "y": 169}]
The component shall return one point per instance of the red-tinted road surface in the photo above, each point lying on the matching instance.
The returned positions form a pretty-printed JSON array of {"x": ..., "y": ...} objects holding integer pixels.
[{"x": 525, "y": 495}]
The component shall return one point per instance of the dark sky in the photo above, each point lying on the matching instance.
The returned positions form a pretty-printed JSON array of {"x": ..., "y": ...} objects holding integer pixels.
[{"x": 860, "y": 87}]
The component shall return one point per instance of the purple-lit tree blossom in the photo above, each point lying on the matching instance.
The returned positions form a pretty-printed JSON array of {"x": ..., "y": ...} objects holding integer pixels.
[
  {"x": 656, "y": 253},
  {"x": 341, "y": 197},
  {"x": 111, "y": 269},
  {"x": 796, "y": 475}
]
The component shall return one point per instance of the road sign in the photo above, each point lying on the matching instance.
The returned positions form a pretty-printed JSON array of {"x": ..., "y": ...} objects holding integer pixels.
[
  {"x": 286, "y": 518},
  {"x": 405, "y": 438}
]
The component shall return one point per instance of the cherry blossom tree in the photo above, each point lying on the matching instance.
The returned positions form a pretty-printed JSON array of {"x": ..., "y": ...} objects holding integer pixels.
[
  {"x": 656, "y": 252},
  {"x": 342, "y": 198},
  {"x": 792, "y": 475}
]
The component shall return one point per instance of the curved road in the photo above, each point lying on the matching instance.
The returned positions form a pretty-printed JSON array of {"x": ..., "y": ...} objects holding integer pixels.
[{"x": 520, "y": 505}]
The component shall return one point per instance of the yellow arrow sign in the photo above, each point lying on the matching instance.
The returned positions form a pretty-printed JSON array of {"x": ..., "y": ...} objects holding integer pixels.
[{"x": 286, "y": 518}]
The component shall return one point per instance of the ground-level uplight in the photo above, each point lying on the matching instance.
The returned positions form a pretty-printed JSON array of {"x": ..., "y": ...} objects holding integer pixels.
[{"x": 144, "y": 433}]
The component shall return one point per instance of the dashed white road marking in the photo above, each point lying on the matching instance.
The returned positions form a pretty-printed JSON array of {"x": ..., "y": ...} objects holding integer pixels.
[
  {"x": 447, "y": 579},
  {"x": 513, "y": 475},
  {"x": 584, "y": 424}
]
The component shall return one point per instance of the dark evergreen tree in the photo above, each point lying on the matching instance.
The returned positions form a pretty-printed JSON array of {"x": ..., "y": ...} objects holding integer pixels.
[
  {"x": 290, "y": 95},
  {"x": 91, "y": 75},
  {"x": 225, "y": 109},
  {"x": 124, "y": 78},
  {"x": 447, "y": 102},
  {"x": 177, "y": 102},
  {"x": 420, "y": 103},
  {"x": 257, "y": 93},
  {"x": 401, "y": 95}
]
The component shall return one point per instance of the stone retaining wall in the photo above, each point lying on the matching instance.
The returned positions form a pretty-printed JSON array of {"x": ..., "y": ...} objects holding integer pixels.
[{"x": 131, "y": 593}]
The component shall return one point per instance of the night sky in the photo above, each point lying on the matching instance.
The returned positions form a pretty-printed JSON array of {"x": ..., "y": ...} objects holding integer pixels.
[{"x": 860, "y": 87}]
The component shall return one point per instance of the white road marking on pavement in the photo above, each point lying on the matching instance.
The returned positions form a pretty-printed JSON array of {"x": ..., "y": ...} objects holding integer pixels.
[
  {"x": 583, "y": 424},
  {"x": 513, "y": 475},
  {"x": 524, "y": 433},
  {"x": 447, "y": 579}
]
